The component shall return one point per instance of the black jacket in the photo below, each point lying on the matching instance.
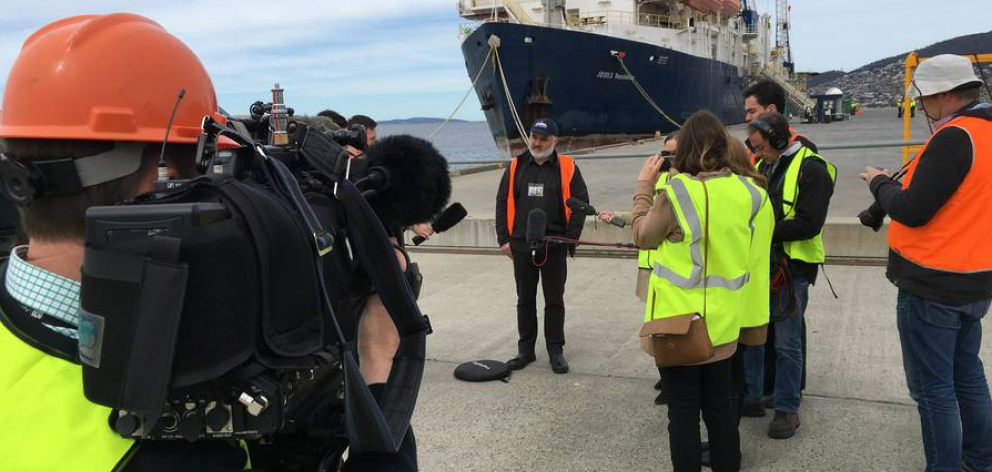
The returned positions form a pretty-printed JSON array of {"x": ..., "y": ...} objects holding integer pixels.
[
  {"x": 548, "y": 177},
  {"x": 812, "y": 202},
  {"x": 942, "y": 167}
]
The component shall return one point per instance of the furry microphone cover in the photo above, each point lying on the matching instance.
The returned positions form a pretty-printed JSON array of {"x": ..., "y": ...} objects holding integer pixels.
[{"x": 419, "y": 185}]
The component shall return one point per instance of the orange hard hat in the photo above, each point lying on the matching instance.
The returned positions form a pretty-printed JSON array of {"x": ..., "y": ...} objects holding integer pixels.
[{"x": 110, "y": 77}]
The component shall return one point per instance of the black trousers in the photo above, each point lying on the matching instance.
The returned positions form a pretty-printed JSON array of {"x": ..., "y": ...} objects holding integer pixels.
[
  {"x": 708, "y": 389},
  {"x": 552, "y": 275}
]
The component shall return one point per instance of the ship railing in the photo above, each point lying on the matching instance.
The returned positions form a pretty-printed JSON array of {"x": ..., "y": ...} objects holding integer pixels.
[
  {"x": 496, "y": 10},
  {"x": 800, "y": 99},
  {"x": 618, "y": 17}
]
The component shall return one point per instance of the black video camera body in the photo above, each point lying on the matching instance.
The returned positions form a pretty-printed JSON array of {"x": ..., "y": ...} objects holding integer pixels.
[{"x": 208, "y": 307}]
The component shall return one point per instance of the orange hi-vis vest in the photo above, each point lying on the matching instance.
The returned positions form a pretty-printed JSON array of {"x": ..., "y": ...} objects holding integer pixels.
[
  {"x": 567, "y": 166},
  {"x": 956, "y": 239},
  {"x": 792, "y": 139}
]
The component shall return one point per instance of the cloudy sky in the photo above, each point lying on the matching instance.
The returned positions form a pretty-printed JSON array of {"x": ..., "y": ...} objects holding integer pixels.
[{"x": 401, "y": 58}]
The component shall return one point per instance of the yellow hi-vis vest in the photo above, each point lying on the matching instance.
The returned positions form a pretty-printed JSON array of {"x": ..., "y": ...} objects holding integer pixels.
[
  {"x": 46, "y": 424},
  {"x": 808, "y": 250},
  {"x": 756, "y": 291},
  {"x": 676, "y": 286},
  {"x": 645, "y": 256}
]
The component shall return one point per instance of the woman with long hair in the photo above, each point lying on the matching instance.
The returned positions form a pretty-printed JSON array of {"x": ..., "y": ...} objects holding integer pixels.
[{"x": 701, "y": 227}]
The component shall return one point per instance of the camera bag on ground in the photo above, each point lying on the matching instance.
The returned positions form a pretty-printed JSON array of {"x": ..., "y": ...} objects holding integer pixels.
[{"x": 483, "y": 371}]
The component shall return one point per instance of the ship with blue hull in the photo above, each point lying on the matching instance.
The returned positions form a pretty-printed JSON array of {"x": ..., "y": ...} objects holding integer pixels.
[{"x": 618, "y": 70}]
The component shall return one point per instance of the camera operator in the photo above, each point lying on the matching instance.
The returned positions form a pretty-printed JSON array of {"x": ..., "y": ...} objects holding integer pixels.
[
  {"x": 87, "y": 107},
  {"x": 368, "y": 123},
  {"x": 940, "y": 260},
  {"x": 90, "y": 132}
]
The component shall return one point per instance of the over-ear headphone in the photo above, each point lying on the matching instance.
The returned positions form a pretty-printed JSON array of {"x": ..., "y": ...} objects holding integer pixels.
[
  {"x": 766, "y": 129},
  {"x": 19, "y": 183},
  {"x": 24, "y": 181}
]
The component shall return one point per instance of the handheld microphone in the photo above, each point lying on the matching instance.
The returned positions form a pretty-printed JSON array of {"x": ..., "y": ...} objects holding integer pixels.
[
  {"x": 580, "y": 206},
  {"x": 618, "y": 222},
  {"x": 537, "y": 227},
  {"x": 448, "y": 218}
]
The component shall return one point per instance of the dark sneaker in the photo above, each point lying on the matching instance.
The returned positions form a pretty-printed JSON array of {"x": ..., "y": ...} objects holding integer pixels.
[
  {"x": 558, "y": 363},
  {"x": 784, "y": 425},
  {"x": 753, "y": 410},
  {"x": 521, "y": 361},
  {"x": 661, "y": 399}
]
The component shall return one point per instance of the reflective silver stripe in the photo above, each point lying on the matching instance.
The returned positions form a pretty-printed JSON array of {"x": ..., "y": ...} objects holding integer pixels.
[
  {"x": 695, "y": 227},
  {"x": 755, "y": 200},
  {"x": 695, "y": 281}
]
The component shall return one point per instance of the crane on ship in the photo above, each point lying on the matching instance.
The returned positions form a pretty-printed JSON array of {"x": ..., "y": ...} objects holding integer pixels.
[{"x": 782, "y": 10}]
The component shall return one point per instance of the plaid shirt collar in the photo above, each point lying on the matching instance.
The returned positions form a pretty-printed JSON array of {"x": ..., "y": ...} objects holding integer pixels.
[{"x": 44, "y": 293}]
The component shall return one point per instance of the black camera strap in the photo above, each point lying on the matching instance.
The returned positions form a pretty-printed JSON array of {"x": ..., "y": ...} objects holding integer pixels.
[{"x": 373, "y": 427}]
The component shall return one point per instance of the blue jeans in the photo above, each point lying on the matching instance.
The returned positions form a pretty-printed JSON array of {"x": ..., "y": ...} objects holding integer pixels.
[
  {"x": 789, "y": 362},
  {"x": 946, "y": 378}
]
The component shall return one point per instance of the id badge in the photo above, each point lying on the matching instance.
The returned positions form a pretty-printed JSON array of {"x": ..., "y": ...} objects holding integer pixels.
[{"x": 535, "y": 190}]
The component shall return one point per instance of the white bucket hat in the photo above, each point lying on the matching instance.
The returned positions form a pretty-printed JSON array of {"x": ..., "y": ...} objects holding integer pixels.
[{"x": 940, "y": 74}]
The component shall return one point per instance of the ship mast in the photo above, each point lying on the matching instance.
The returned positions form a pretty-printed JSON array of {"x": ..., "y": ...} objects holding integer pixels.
[{"x": 782, "y": 10}]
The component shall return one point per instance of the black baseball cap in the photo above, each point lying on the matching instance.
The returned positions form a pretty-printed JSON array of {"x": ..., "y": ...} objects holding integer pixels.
[{"x": 544, "y": 127}]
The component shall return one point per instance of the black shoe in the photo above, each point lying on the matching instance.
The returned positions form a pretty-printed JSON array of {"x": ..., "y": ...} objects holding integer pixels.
[
  {"x": 661, "y": 399},
  {"x": 753, "y": 410},
  {"x": 784, "y": 425},
  {"x": 521, "y": 361},
  {"x": 658, "y": 385},
  {"x": 558, "y": 363},
  {"x": 704, "y": 459}
]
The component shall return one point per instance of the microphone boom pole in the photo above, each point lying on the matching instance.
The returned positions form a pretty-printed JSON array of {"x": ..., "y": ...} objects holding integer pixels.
[{"x": 579, "y": 242}]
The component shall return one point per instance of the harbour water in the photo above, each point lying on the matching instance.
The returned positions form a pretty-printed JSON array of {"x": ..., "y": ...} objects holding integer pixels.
[{"x": 457, "y": 141}]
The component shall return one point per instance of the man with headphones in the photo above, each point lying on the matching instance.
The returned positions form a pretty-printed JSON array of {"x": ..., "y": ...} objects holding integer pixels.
[
  {"x": 800, "y": 184},
  {"x": 766, "y": 96}
]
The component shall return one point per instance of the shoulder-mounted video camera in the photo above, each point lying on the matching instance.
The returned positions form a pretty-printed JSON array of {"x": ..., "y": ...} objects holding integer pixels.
[{"x": 209, "y": 308}]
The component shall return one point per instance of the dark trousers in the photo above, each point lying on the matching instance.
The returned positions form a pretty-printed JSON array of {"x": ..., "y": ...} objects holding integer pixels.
[
  {"x": 710, "y": 389},
  {"x": 552, "y": 275},
  {"x": 738, "y": 380}
]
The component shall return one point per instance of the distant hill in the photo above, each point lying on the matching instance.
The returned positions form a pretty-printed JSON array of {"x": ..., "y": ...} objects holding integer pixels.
[
  {"x": 881, "y": 82},
  {"x": 418, "y": 120},
  {"x": 823, "y": 78}
]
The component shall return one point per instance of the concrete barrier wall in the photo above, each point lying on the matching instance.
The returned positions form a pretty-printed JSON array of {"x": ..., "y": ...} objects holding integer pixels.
[{"x": 842, "y": 237}]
